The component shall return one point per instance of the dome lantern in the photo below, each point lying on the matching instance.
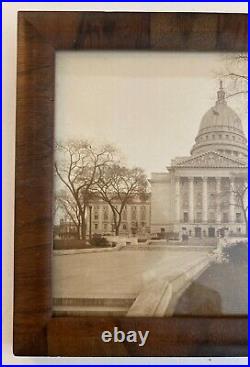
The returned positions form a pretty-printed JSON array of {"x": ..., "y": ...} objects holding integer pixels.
[{"x": 221, "y": 94}]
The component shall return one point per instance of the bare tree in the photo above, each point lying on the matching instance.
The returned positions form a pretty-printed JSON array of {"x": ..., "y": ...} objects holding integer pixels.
[
  {"x": 69, "y": 207},
  {"x": 240, "y": 191},
  {"x": 78, "y": 166},
  {"x": 236, "y": 75},
  {"x": 239, "y": 188},
  {"x": 117, "y": 186}
]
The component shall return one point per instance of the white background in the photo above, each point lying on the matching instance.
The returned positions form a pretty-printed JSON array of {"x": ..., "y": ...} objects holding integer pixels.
[{"x": 9, "y": 90}]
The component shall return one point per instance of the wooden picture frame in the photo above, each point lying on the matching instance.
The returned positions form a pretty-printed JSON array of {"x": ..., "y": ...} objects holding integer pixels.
[{"x": 40, "y": 35}]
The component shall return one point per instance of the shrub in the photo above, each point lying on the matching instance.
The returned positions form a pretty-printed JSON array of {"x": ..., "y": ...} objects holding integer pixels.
[
  {"x": 98, "y": 240},
  {"x": 237, "y": 254},
  {"x": 142, "y": 239}
]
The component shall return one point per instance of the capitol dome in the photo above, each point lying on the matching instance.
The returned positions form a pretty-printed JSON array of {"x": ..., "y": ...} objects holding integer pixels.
[{"x": 221, "y": 130}]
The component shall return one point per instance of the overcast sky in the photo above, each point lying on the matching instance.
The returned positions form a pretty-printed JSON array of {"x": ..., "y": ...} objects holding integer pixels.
[{"x": 149, "y": 104}]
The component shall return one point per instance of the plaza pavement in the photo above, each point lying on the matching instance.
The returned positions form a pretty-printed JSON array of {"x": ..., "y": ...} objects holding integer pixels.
[{"x": 118, "y": 274}]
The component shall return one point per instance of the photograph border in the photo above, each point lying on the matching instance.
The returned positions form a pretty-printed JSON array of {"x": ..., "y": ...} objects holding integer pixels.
[{"x": 40, "y": 35}]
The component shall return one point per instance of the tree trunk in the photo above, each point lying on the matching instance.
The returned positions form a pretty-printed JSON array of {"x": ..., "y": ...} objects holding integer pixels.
[
  {"x": 246, "y": 221},
  {"x": 78, "y": 232},
  {"x": 244, "y": 210},
  {"x": 83, "y": 228},
  {"x": 115, "y": 221},
  {"x": 117, "y": 226}
]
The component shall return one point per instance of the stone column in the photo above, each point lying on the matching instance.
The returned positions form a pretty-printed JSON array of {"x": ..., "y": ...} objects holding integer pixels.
[
  {"x": 177, "y": 199},
  {"x": 231, "y": 201},
  {"x": 191, "y": 199},
  {"x": 218, "y": 199},
  {"x": 204, "y": 199}
]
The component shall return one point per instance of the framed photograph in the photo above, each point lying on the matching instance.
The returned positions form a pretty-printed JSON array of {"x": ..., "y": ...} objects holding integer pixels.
[{"x": 131, "y": 217}]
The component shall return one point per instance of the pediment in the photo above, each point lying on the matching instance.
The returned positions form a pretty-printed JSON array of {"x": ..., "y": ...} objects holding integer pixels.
[{"x": 210, "y": 160}]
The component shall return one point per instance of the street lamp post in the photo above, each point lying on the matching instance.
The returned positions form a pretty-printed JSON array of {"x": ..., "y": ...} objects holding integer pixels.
[{"x": 90, "y": 222}]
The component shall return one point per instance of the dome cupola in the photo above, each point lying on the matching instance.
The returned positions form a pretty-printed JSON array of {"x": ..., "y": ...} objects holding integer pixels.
[{"x": 221, "y": 130}]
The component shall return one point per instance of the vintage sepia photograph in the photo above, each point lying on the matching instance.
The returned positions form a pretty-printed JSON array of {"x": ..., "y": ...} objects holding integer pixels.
[{"x": 150, "y": 193}]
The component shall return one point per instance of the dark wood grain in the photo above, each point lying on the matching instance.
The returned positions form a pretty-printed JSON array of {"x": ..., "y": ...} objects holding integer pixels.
[
  {"x": 34, "y": 183},
  {"x": 40, "y": 34},
  {"x": 198, "y": 32},
  {"x": 88, "y": 30},
  {"x": 168, "y": 337},
  {"x": 157, "y": 31}
]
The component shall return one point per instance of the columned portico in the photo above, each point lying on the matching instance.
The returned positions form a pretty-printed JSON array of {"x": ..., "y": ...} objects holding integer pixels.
[{"x": 215, "y": 208}]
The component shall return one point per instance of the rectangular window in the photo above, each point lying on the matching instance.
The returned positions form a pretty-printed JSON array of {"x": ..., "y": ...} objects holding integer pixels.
[
  {"x": 134, "y": 213},
  {"x": 211, "y": 217},
  {"x": 105, "y": 213},
  {"x": 124, "y": 213},
  {"x": 238, "y": 218},
  {"x": 225, "y": 217},
  {"x": 143, "y": 212},
  {"x": 96, "y": 212},
  {"x": 212, "y": 200},
  {"x": 198, "y": 217},
  {"x": 185, "y": 217},
  {"x": 198, "y": 200},
  {"x": 185, "y": 201}
]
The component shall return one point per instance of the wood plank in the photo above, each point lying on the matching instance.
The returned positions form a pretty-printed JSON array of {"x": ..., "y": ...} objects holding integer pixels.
[{"x": 34, "y": 191}]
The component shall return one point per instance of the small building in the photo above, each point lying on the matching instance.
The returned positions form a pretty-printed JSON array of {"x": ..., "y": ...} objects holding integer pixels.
[{"x": 65, "y": 230}]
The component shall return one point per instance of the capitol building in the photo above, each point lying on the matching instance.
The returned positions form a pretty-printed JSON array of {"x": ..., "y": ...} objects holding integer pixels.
[{"x": 196, "y": 196}]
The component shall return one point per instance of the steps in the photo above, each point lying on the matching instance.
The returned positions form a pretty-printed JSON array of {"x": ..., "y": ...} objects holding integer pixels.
[{"x": 92, "y": 306}]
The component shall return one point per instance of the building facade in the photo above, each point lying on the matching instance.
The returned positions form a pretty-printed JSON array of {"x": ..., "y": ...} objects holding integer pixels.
[
  {"x": 99, "y": 220},
  {"x": 196, "y": 196},
  {"x": 135, "y": 218}
]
